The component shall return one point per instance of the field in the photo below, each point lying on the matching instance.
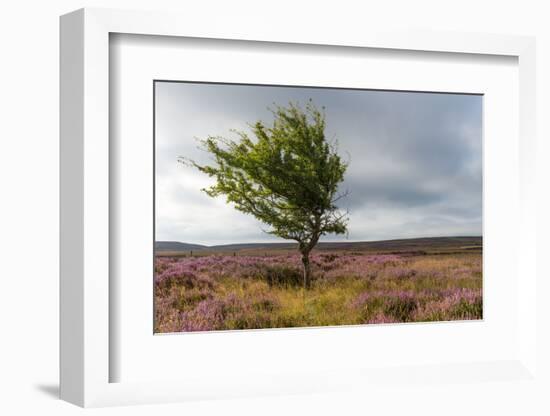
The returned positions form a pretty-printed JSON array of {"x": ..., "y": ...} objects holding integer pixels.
[{"x": 359, "y": 283}]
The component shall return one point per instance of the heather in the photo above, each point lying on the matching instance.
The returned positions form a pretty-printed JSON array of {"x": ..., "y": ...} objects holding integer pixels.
[{"x": 224, "y": 292}]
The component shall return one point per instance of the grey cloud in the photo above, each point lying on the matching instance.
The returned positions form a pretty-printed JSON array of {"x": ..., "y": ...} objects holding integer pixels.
[{"x": 415, "y": 159}]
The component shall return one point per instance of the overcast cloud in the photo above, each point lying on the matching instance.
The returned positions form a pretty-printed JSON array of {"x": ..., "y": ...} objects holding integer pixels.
[{"x": 415, "y": 160}]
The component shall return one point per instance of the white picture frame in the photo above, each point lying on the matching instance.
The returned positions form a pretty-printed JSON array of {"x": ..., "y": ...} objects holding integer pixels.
[{"x": 85, "y": 355}]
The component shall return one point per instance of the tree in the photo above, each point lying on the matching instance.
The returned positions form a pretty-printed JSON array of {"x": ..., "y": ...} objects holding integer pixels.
[{"x": 287, "y": 178}]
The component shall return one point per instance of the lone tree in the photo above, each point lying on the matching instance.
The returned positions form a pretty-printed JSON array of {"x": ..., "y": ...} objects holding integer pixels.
[{"x": 287, "y": 178}]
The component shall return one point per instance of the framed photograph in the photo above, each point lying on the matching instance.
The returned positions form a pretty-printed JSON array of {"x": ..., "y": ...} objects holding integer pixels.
[
  {"x": 281, "y": 213},
  {"x": 377, "y": 194}
]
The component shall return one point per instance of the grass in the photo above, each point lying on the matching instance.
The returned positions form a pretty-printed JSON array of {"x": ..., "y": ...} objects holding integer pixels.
[{"x": 221, "y": 292}]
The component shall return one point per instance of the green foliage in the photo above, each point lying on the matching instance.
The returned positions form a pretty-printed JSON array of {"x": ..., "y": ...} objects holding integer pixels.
[
  {"x": 287, "y": 177},
  {"x": 465, "y": 309},
  {"x": 401, "y": 307},
  {"x": 281, "y": 275}
]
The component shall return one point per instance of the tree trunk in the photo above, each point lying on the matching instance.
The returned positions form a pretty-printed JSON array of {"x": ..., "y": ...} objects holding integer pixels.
[{"x": 307, "y": 270}]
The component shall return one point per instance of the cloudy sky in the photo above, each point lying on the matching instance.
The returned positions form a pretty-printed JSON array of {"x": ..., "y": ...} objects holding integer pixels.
[{"x": 415, "y": 160}]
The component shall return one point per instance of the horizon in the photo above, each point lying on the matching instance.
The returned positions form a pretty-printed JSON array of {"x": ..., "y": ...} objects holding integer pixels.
[{"x": 321, "y": 242}]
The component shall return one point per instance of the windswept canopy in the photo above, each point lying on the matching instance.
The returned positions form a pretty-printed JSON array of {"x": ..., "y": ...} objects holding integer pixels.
[{"x": 287, "y": 177}]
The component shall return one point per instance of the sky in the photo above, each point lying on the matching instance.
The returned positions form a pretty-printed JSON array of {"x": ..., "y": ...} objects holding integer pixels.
[{"x": 415, "y": 160}]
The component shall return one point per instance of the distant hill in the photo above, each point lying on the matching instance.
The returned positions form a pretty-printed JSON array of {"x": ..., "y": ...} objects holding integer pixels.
[
  {"x": 428, "y": 244},
  {"x": 177, "y": 246}
]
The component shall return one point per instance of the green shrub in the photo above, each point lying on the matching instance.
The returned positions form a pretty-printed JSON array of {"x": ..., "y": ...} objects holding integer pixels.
[
  {"x": 401, "y": 308},
  {"x": 278, "y": 275},
  {"x": 468, "y": 310}
]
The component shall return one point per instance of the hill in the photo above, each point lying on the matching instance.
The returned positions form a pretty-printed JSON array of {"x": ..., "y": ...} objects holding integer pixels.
[
  {"x": 177, "y": 246},
  {"x": 409, "y": 245}
]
